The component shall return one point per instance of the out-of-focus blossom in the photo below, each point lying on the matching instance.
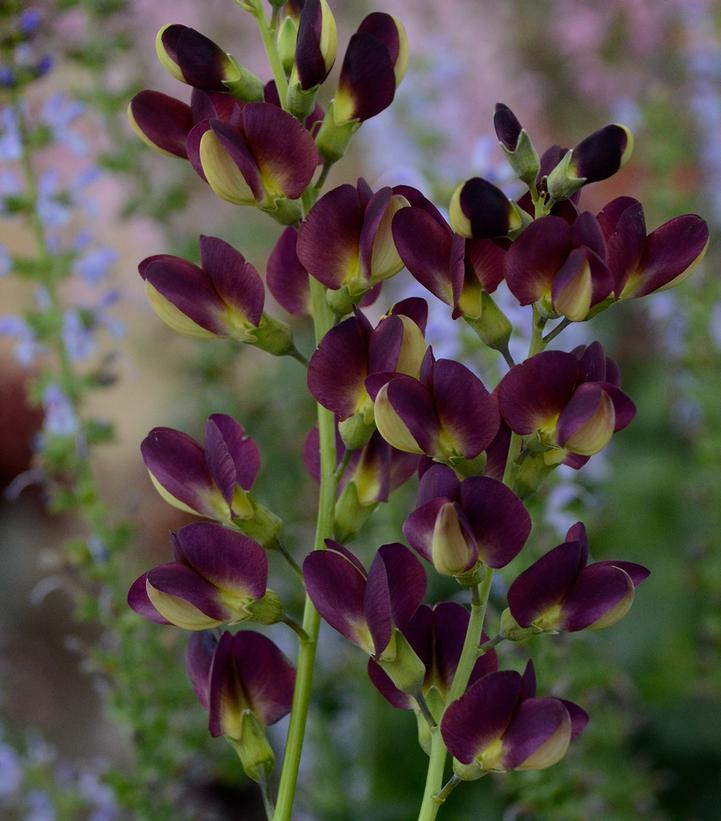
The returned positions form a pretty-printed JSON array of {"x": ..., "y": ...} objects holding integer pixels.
[{"x": 60, "y": 417}]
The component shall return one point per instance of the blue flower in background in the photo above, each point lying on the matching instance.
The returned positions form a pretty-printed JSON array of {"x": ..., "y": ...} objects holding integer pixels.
[
  {"x": 29, "y": 22},
  {"x": 5, "y": 261},
  {"x": 26, "y": 347},
  {"x": 10, "y": 146},
  {"x": 59, "y": 114},
  {"x": 77, "y": 336},
  {"x": 93, "y": 266},
  {"x": 60, "y": 418}
]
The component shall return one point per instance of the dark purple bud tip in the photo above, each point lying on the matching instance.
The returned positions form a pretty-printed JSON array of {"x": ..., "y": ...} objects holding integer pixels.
[
  {"x": 602, "y": 153},
  {"x": 508, "y": 129},
  {"x": 480, "y": 210}
]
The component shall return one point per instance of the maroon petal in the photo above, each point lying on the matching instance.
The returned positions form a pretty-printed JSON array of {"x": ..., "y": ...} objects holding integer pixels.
[
  {"x": 508, "y": 128},
  {"x": 180, "y": 582},
  {"x": 624, "y": 408},
  {"x": 601, "y": 154},
  {"x": 226, "y": 699},
  {"x": 497, "y": 518},
  {"x": 203, "y": 63},
  {"x": 637, "y": 572},
  {"x": 339, "y": 366},
  {"x": 412, "y": 403},
  {"x": 286, "y": 277},
  {"x": 532, "y": 395},
  {"x": 600, "y": 594},
  {"x": 592, "y": 360},
  {"x": 414, "y": 308},
  {"x": 579, "y": 717},
  {"x": 367, "y": 82},
  {"x": 309, "y": 59},
  {"x": 192, "y": 147},
  {"x": 384, "y": 28},
  {"x": 486, "y": 258},
  {"x": 450, "y": 622},
  {"x": 177, "y": 463},
  {"x": 586, "y": 232},
  {"x": 481, "y": 715},
  {"x": 486, "y": 209},
  {"x": 161, "y": 121},
  {"x": 528, "y": 681},
  {"x": 546, "y": 582},
  {"x": 379, "y": 679},
  {"x": 425, "y": 245},
  {"x": 190, "y": 290},
  {"x": 266, "y": 675},
  {"x": 329, "y": 236},
  {"x": 497, "y": 453},
  {"x": 467, "y": 412},
  {"x": 395, "y": 589},
  {"x": 213, "y": 106},
  {"x": 198, "y": 662},
  {"x": 284, "y": 151},
  {"x": 438, "y": 481},
  {"x": 336, "y": 586},
  {"x": 534, "y": 258},
  {"x": 419, "y": 526},
  {"x": 588, "y": 421},
  {"x": 538, "y": 736},
  {"x": 227, "y": 559},
  {"x": 237, "y": 147},
  {"x": 236, "y": 280},
  {"x": 624, "y": 227},
  {"x": 670, "y": 252},
  {"x": 233, "y": 457},
  {"x": 138, "y": 600}
]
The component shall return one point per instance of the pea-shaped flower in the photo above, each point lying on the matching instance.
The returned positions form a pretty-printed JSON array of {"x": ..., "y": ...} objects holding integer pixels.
[
  {"x": 645, "y": 263},
  {"x": 560, "y": 267},
  {"x": 500, "y": 725},
  {"x": 264, "y": 157},
  {"x": 457, "y": 526},
  {"x": 374, "y": 64},
  {"x": 218, "y": 577},
  {"x": 571, "y": 402},
  {"x": 223, "y": 296},
  {"x": 245, "y": 683},
  {"x": 346, "y": 240},
  {"x": 561, "y": 591},
  {"x": 436, "y": 634},
  {"x": 372, "y": 608},
  {"x": 480, "y": 210},
  {"x": 395, "y": 345},
  {"x": 315, "y": 45},
  {"x": 447, "y": 413}
]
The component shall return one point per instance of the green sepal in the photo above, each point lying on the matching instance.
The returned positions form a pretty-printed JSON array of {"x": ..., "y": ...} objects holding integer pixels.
[
  {"x": 356, "y": 430},
  {"x": 261, "y": 524},
  {"x": 350, "y": 515},
  {"x": 332, "y": 139},
  {"x": 402, "y": 665},
  {"x": 284, "y": 211},
  {"x": 272, "y": 335},
  {"x": 524, "y": 159},
  {"x": 286, "y": 40},
  {"x": 510, "y": 629},
  {"x": 492, "y": 326},
  {"x": 468, "y": 772},
  {"x": 469, "y": 467},
  {"x": 253, "y": 749},
  {"x": 268, "y": 610},
  {"x": 562, "y": 183},
  {"x": 246, "y": 86},
  {"x": 301, "y": 103},
  {"x": 530, "y": 472}
]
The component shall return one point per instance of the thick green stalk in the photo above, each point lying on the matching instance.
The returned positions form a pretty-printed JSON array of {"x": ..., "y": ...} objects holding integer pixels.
[{"x": 323, "y": 321}]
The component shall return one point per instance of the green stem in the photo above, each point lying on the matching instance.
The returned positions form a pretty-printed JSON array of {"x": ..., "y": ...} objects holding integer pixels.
[
  {"x": 267, "y": 32},
  {"x": 554, "y": 332},
  {"x": 265, "y": 791},
  {"x": 284, "y": 552},
  {"x": 448, "y": 788},
  {"x": 323, "y": 319},
  {"x": 469, "y": 654},
  {"x": 425, "y": 709}
]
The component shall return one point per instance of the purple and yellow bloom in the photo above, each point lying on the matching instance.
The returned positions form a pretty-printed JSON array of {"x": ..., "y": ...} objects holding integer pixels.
[
  {"x": 211, "y": 480},
  {"x": 572, "y": 402},
  {"x": 245, "y": 683},
  {"x": 644, "y": 263},
  {"x": 516, "y": 144},
  {"x": 447, "y": 413},
  {"x": 346, "y": 241},
  {"x": 223, "y": 296},
  {"x": 500, "y": 725},
  {"x": 562, "y": 592},
  {"x": 315, "y": 45},
  {"x": 597, "y": 157},
  {"x": 436, "y": 634},
  {"x": 161, "y": 121},
  {"x": 218, "y": 577},
  {"x": 261, "y": 157},
  {"x": 374, "y": 64},
  {"x": 460, "y": 525},
  {"x": 371, "y": 609},
  {"x": 480, "y": 210},
  {"x": 395, "y": 346},
  {"x": 456, "y": 270},
  {"x": 560, "y": 267}
]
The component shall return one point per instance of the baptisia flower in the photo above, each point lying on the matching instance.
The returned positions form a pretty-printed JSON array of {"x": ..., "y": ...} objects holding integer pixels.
[
  {"x": 499, "y": 725},
  {"x": 223, "y": 296},
  {"x": 245, "y": 684},
  {"x": 562, "y": 592},
  {"x": 460, "y": 525},
  {"x": 646, "y": 263},
  {"x": 371, "y": 609},
  {"x": 571, "y": 403},
  {"x": 218, "y": 577}
]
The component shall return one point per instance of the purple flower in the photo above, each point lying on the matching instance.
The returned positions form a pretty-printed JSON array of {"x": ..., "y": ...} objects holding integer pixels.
[
  {"x": 5, "y": 261},
  {"x": 460, "y": 525},
  {"x": 10, "y": 146},
  {"x": 60, "y": 113},
  {"x": 562, "y": 592},
  {"x": 500, "y": 725},
  {"x": 219, "y": 576},
  {"x": 94, "y": 265},
  {"x": 60, "y": 418},
  {"x": 26, "y": 345}
]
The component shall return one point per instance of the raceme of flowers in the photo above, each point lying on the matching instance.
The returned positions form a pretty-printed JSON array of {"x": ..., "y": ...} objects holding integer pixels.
[{"x": 388, "y": 409}]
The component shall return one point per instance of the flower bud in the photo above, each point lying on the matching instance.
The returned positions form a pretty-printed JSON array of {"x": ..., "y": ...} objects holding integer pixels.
[
  {"x": 480, "y": 210},
  {"x": 356, "y": 431},
  {"x": 191, "y": 57},
  {"x": 286, "y": 42},
  {"x": 315, "y": 46},
  {"x": 451, "y": 553},
  {"x": 350, "y": 514},
  {"x": 516, "y": 144}
]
